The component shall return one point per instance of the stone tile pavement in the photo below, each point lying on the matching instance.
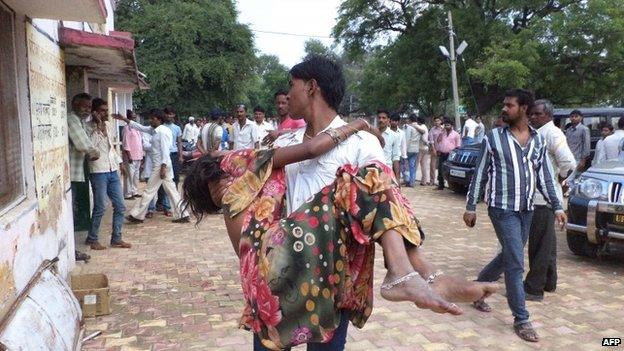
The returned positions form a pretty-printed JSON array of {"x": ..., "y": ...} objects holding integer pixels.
[{"x": 178, "y": 289}]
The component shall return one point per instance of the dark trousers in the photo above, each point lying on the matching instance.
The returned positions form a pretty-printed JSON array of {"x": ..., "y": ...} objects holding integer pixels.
[
  {"x": 337, "y": 343},
  {"x": 542, "y": 274},
  {"x": 163, "y": 200},
  {"x": 441, "y": 158}
]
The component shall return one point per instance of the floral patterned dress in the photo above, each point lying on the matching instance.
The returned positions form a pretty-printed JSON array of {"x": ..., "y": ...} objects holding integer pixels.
[{"x": 300, "y": 273}]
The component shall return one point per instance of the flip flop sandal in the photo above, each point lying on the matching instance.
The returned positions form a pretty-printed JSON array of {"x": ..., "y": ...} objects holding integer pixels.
[
  {"x": 526, "y": 332},
  {"x": 481, "y": 305}
]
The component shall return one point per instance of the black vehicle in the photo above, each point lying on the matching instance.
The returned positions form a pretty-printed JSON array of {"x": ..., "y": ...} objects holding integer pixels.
[
  {"x": 596, "y": 209},
  {"x": 459, "y": 167}
]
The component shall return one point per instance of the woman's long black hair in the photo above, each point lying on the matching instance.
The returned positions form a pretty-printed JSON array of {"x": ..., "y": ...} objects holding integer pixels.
[{"x": 197, "y": 198}]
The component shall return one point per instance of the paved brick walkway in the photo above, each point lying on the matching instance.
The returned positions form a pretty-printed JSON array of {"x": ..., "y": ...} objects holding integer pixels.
[{"x": 178, "y": 289}]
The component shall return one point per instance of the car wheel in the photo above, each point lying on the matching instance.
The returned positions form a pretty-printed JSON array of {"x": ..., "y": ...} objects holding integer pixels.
[
  {"x": 457, "y": 187},
  {"x": 578, "y": 244}
]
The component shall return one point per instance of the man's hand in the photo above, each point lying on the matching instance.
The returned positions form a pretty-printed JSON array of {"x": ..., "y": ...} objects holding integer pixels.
[
  {"x": 270, "y": 137},
  {"x": 163, "y": 171},
  {"x": 122, "y": 169},
  {"x": 470, "y": 218},
  {"x": 118, "y": 116},
  {"x": 561, "y": 219},
  {"x": 94, "y": 155}
]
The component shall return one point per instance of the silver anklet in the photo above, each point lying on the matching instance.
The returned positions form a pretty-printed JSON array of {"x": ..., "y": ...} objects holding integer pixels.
[
  {"x": 433, "y": 277},
  {"x": 400, "y": 280}
]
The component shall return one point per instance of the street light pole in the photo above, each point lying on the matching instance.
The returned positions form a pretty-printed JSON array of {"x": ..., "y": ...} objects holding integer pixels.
[{"x": 453, "y": 59}]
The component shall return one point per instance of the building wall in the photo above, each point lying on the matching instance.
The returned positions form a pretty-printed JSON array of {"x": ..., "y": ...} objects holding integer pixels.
[{"x": 40, "y": 226}]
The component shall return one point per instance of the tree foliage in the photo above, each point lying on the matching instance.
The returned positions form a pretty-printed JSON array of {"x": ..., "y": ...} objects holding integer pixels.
[
  {"x": 567, "y": 50},
  {"x": 270, "y": 77},
  {"x": 194, "y": 52}
]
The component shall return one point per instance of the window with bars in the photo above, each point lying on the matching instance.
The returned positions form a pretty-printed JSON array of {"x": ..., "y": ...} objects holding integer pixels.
[{"x": 11, "y": 182}]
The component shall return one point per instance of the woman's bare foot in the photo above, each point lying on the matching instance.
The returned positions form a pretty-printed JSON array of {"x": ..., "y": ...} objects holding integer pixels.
[
  {"x": 417, "y": 290},
  {"x": 461, "y": 290}
]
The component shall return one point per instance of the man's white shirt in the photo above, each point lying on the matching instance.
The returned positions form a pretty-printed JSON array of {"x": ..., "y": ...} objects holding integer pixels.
[
  {"x": 392, "y": 148},
  {"x": 559, "y": 154},
  {"x": 246, "y": 137},
  {"x": 162, "y": 138},
  {"x": 263, "y": 129},
  {"x": 306, "y": 178},
  {"x": 191, "y": 132},
  {"x": 610, "y": 148},
  {"x": 470, "y": 127},
  {"x": 217, "y": 134}
]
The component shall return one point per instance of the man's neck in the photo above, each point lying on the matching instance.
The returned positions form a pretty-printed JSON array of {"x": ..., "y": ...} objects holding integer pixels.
[
  {"x": 520, "y": 125},
  {"x": 243, "y": 122},
  {"x": 383, "y": 129},
  {"x": 394, "y": 128},
  {"x": 284, "y": 117},
  {"x": 319, "y": 119}
]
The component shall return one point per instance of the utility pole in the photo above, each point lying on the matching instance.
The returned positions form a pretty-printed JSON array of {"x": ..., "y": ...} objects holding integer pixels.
[{"x": 453, "y": 59}]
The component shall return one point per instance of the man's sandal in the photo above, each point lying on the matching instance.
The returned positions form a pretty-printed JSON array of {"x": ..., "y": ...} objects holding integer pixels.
[
  {"x": 481, "y": 305},
  {"x": 526, "y": 332}
]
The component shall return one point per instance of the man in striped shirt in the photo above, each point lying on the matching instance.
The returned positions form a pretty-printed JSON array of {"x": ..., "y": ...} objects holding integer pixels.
[{"x": 512, "y": 165}]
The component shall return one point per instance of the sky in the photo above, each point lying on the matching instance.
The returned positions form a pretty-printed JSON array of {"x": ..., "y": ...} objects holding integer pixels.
[{"x": 303, "y": 17}]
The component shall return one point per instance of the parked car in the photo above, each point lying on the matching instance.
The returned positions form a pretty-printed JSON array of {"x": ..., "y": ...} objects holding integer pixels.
[
  {"x": 596, "y": 209},
  {"x": 459, "y": 167}
]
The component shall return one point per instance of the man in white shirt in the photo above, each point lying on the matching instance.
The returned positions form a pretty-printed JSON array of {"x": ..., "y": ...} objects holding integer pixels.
[
  {"x": 469, "y": 131},
  {"x": 392, "y": 148},
  {"x": 480, "y": 134},
  {"x": 263, "y": 126},
  {"x": 245, "y": 131},
  {"x": 413, "y": 140},
  {"x": 542, "y": 274},
  {"x": 104, "y": 178},
  {"x": 162, "y": 169},
  {"x": 211, "y": 133},
  {"x": 611, "y": 147},
  {"x": 191, "y": 130}
]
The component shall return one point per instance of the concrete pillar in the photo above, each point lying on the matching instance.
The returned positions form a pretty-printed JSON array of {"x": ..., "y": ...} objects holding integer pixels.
[{"x": 77, "y": 80}]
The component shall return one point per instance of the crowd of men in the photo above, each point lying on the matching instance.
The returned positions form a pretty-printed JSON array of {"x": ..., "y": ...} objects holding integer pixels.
[{"x": 154, "y": 153}]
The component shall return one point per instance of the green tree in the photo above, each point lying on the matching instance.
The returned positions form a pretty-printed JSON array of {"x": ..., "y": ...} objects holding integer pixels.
[
  {"x": 270, "y": 77},
  {"x": 566, "y": 50},
  {"x": 194, "y": 52}
]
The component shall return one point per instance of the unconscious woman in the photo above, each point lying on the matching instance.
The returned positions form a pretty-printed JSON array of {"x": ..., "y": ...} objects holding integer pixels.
[{"x": 300, "y": 273}]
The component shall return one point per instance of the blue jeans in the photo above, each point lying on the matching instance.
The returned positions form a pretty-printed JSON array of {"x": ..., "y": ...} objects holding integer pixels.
[
  {"x": 512, "y": 229},
  {"x": 467, "y": 141},
  {"x": 412, "y": 161},
  {"x": 103, "y": 185},
  {"x": 337, "y": 343}
]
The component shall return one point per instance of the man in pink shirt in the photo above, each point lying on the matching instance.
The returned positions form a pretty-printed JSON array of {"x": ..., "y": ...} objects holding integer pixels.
[
  {"x": 285, "y": 122},
  {"x": 446, "y": 142},
  {"x": 132, "y": 144}
]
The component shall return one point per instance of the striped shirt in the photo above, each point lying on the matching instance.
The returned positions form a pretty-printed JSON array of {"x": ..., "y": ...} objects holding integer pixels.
[{"x": 510, "y": 173}]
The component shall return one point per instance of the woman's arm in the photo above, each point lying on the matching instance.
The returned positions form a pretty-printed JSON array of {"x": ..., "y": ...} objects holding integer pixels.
[{"x": 318, "y": 145}]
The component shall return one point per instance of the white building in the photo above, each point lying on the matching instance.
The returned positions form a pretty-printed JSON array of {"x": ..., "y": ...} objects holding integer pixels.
[{"x": 50, "y": 50}]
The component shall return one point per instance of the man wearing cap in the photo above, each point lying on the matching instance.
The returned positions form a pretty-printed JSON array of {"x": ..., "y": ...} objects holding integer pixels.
[{"x": 191, "y": 130}]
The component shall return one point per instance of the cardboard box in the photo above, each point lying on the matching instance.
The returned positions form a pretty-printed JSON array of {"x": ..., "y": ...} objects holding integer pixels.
[{"x": 93, "y": 293}]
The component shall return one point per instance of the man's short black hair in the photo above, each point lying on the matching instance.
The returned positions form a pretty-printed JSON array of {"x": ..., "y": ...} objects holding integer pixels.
[
  {"x": 621, "y": 123},
  {"x": 395, "y": 117},
  {"x": 383, "y": 110},
  {"x": 576, "y": 113},
  {"x": 447, "y": 120},
  {"x": 607, "y": 125},
  {"x": 81, "y": 97},
  {"x": 327, "y": 74},
  {"x": 215, "y": 113},
  {"x": 523, "y": 96},
  {"x": 157, "y": 113},
  {"x": 259, "y": 109},
  {"x": 96, "y": 103},
  {"x": 280, "y": 92},
  {"x": 169, "y": 110},
  {"x": 420, "y": 120}
]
